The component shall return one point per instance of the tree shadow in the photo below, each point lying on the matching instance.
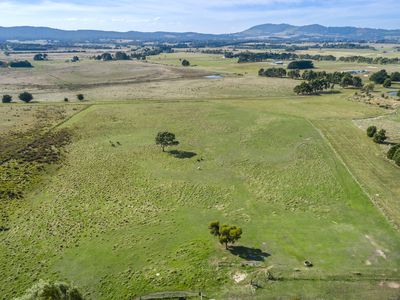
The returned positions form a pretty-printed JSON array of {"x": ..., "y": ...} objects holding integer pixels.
[
  {"x": 182, "y": 154},
  {"x": 249, "y": 253}
]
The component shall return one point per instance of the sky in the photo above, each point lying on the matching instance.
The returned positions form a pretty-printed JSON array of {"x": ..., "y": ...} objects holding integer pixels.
[{"x": 206, "y": 16}]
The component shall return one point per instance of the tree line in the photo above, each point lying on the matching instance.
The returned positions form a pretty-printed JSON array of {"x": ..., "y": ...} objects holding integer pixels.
[{"x": 244, "y": 57}]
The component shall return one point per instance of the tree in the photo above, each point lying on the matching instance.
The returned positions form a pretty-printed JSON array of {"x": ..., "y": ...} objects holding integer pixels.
[
  {"x": 75, "y": 58},
  {"x": 214, "y": 228},
  {"x": 300, "y": 64},
  {"x": 40, "y": 57},
  {"x": 294, "y": 74},
  {"x": 80, "y": 97},
  {"x": 6, "y": 99},
  {"x": 346, "y": 80},
  {"x": 44, "y": 290},
  {"x": 398, "y": 93},
  {"x": 387, "y": 83},
  {"x": 380, "y": 136},
  {"x": 369, "y": 88},
  {"x": 66, "y": 99},
  {"x": 185, "y": 63},
  {"x": 392, "y": 151},
  {"x": 227, "y": 234},
  {"x": 303, "y": 88},
  {"x": 371, "y": 130},
  {"x": 357, "y": 82},
  {"x": 121, "y": 56},
  {"x": 166, "y": 139},
  {"x": 20, "y": 64},
  {"x": 396, "y": 157},
  {"x": 26, "y": 97},
  {"x": 379, "y": 77},
  {"x": 104, "y": 57},
  {"x": 395, "y": 76}
]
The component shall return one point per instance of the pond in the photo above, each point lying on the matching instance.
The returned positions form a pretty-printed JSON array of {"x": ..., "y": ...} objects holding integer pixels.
[{"x": 214, "y": 76}]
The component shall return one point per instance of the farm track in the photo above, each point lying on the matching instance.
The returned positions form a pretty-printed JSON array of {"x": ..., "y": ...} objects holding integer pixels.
[{"x": 375, "y": 175}]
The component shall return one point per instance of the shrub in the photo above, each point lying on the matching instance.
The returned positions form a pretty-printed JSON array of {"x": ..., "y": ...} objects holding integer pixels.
[
  {"x": 380, "y": 136},
  {"x": 44, "y": 290},
  {"x": 26, "y": 97},
  {"x": 6, "y": 99},
  {"x": 80, "y": 97},
  {"x": 66, "y": 99},
  {"x": 371, "y": 130},
  {"x": 392, "y": 151}
]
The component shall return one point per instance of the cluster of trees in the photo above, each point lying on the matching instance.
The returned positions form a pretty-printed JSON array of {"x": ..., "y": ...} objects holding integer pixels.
[
  {"x": 119, "y": 55},
  {"x": 142, "y": 53},
  {"x": 272, "y": 72},
  {"x": 300, "y": 65},
  {"x": 25, "y": 97},
  {"x": 20, "y": 64},
  {"x": 258, "y": 57},
  {"x": 316, "y": 82},
  {"x": 394, "y": 154},
  {"x": 40, "y": 57},
  {"x": 382, "y": 77},
  {"x": 370, "y": 60},
  {"x": 346, "y": 46},
  {"x": 378, "y": 136},
  {"x": 226, "y": 234},
  {"x": 312, "y": 87},
  {"x": 28, "y": 97}
]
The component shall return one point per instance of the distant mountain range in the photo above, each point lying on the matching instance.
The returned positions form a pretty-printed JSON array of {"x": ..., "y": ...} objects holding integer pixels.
[{"x": 261, "y": 32}]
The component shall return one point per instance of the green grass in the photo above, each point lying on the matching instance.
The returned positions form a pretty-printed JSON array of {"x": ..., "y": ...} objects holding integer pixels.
[{"x": 130, "y": 220}]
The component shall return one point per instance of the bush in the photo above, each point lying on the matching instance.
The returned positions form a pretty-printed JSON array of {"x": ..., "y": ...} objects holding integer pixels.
[
  {"x": 44, "y": 290},
  {"x": 6, "y": 99},
  {"x": 392, "y": 151},
  {"x": 185, "y": 63},
  {"x": 380, "y": 136},
  {"x": 301, "y": 64},
  {"x": 371, "y": 130},
  {"x": 26, "y": 97},
  {"x": 66, "y": 99},
  {"x": 80, "y": 97}
]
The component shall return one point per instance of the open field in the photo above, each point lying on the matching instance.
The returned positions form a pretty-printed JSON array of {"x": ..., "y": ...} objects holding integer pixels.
[{"x": 119, "y": 218}]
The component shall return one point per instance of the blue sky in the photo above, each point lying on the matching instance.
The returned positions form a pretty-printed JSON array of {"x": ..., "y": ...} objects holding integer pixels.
[{"x": 209, "y": 16}]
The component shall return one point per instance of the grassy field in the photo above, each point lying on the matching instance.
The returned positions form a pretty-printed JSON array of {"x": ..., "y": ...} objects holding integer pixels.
[
  {"x": 114, "y": 216},
  {"x": 119, "y": 218}
]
